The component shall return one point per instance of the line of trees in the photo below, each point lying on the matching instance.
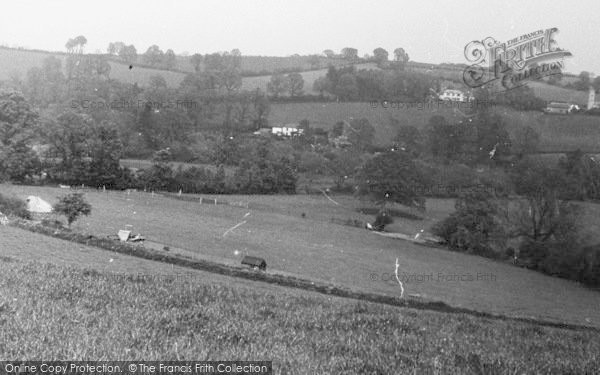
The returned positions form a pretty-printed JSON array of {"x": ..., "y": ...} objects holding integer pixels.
[{"x": 348, "y": 84}]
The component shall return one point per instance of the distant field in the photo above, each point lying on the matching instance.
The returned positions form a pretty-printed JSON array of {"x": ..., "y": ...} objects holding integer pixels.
[
  {"x": 19, "y": 62},
  {"x": 252, "y": 83},
  {"x": 86, "y": 311},
  {"x": 552, "y": 93},
  {"x": 313, "y": 247},
  {"x": 558, "y": 132}
]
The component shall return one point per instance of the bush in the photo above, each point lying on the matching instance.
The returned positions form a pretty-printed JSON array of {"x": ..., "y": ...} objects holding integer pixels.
[
  {"x": 72, "y": 206},
  {"x": 590, "y": 274},
  {"x": 563, "y": 260},
  {"x": 14, "y": 206},
  {"x": 382, "y": 219},
  {"x": 474, "y": 227}
]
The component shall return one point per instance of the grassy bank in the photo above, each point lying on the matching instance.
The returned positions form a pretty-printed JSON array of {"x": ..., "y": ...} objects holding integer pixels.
[{"x": 50, "y": 312}]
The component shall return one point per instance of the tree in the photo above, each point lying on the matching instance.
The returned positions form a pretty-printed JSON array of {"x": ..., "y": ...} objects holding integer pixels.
[
  {"x": 344, "y": 165},
  {"x": 542, "y": 216},
  {"x": 392, "y": 177},
  {"x": 295, "y": 84},
  {"x": 314, "y": 61},
  {"x": 400, "y": 55},
  {"x": 401, "y": 58},
  {"x": 277, "y": 85},
  {"x": 72, "y": 206},
  {"x": 153, "y": 55},
  {"x": 106, "y": 151},
  {"x": 68, "y": 137},
  {"x": 18, "y": 162},
  {"x": 582, "y": 174},
  {"x": 492, "y": 140},
  {"x": 361, "y": 134},
  {"x": 338, "y": 129},
  {"x": 80, "y": 41},
  {"x": 261, "y": 109},
  {"x": 76, "y": 44},
  {"x": 475, "y": 226},
  {"x": 409, "y": 139},
  {"x": 380, "y": 55},
  {"x": 329, "y": 53},
  {"x": 346, "y": 88},
  {"x": 350, "y": 53},
  {"x": 322, "y": 85},
  {"x": 444, "y": 139},
  {"x": 128, "y": 53},
  {"x": 17, "y": 118},
  {"x": 584, "y": 81},
  {"x": 70, "y": 45},
  {"x": 114, "y": 48},
  {"x": 196, "y": 61},
  {"x": 169, "y": 60},
  {"x": 525, "y": 141}
]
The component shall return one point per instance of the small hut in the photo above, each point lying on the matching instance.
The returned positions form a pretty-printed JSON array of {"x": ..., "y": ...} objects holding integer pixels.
[{"x": 254, "y": 262}]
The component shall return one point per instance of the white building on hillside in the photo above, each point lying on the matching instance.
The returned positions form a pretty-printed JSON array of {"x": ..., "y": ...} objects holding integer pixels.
[
  {"x": 455, "y": 96},
  {"x": 288, "y": 130}
]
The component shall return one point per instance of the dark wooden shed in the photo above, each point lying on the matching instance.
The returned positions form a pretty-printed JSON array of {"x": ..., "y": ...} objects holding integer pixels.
[{"x": 255, "y": 262}]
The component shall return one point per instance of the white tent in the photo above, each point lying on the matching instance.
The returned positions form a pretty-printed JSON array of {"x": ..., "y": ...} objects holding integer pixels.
[
  {"x": 38, "y": 205},
  {"x": 3, "y": 219}
]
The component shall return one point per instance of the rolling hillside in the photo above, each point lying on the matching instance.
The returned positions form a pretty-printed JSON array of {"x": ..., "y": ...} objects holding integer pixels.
[
  {"x": 559, "y": 133},
  {"x": 346, "y": 256},
  {"x": 75, "y": 302},
  {"x": 15, "y": 62}
]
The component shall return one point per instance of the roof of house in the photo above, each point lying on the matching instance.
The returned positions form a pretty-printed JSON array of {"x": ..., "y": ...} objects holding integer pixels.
[
  {"x": 254, "y": 261},
  {"x": 560, "y": 105},
  {"x": 456, "y": 92}
]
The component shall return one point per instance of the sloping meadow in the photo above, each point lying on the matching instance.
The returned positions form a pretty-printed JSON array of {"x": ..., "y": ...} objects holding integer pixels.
[{"x": 49, "y": 311}]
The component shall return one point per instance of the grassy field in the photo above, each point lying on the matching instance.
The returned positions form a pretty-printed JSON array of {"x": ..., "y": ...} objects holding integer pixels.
[
  {"x": 314, "y": 248},
  {"x": 260, "y": 82},
  {"x": 552, "y": 93},
  {"x": 87, "y": 311},
  {"x": 558, "y": 132},
  {"x": 18, "y": 62}
]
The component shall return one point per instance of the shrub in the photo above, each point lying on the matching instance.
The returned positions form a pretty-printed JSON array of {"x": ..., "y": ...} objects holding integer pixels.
[
  {"x": 590, "y": 274},
  {"x": 14, "y": 206},
  {"x": 382, "y": 219},
  {"x": 72, "y": 206},
  {"x": 474, "y": 227}
]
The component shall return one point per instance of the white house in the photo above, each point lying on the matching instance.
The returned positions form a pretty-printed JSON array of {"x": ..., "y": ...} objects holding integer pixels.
[
  {"x": 455, "y": 96},
  {"x": 288, "y": 130},
  {"x": 561, "y": 108}
]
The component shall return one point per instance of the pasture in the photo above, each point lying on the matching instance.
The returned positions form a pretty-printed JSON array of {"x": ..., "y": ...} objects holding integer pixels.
[
  {"x": 83, "y": 311},
  {"x": 558, "y": 133},
  {"x": 314, "y": 248},
  {"x": 14, "y": 62}
]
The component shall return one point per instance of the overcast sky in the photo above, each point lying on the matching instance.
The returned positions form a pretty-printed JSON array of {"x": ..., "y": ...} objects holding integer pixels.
[{"x": 430, "y": 31}]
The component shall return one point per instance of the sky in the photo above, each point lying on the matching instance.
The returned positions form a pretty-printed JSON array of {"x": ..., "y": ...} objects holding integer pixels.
[{"x": 430, "y": 31}]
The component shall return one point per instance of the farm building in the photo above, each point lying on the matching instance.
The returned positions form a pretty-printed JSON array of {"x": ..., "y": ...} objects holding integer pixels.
[
  {"x": 38, "y": 205},
  {"x": 254, "y": 262},
  {"x": 288, "y": 130},
  {"x": 263, "y": 132},
  {"x": 561, "y": 108},
  {"x": 455, "y": 96}
]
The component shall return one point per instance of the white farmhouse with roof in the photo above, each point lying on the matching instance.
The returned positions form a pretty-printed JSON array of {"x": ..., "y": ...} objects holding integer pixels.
[
  {"x": 288, "y": 130},
  {"x": 455, "y": 96}
]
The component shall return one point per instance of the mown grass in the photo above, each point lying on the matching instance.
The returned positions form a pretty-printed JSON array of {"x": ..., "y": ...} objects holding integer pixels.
[{"x": 57, "y": 312}]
